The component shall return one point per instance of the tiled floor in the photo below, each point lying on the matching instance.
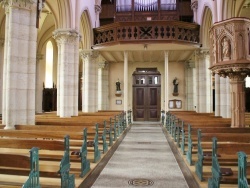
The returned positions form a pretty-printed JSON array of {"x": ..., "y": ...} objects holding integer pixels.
[{"x": 143, "y": 159}]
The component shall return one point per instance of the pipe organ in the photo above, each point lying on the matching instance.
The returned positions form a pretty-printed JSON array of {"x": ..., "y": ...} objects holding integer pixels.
[{"x": 144, "y": 5}]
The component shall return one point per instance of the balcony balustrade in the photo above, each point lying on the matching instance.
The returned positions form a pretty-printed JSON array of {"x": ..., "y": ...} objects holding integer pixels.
[{"x": 150, "y": 31}]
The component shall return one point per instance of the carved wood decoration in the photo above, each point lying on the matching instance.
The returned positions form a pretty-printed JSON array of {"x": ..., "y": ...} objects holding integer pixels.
[
  {"x": 230, "y": 46},
  {"x": 230, "y": 57},
  {"x": 143, "y": 31}
]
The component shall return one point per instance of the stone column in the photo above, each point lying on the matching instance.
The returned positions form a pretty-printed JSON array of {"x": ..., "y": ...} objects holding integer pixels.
[
  {"x": 39, "y": 86},
  {"x": 103, "y": 86},
  {"x": 189, "y": 85},
  {"x": 19, "y": 63},
  {"x": 68, "y": 65},
  {"x": 237, "y": 83},
  {"x": 194, "y": 81},
  {"x": 89, "y": 86},
  {"x": 228, "y": 98},
  {"x": 1, "y": 71},
  {"x": 166, "y": 80},
  {"x": 223, "y": 97},
  {"x": 126, "y": 82},
  {"x": 217, "y": 95},
  {"x": 204, "y": 90}
]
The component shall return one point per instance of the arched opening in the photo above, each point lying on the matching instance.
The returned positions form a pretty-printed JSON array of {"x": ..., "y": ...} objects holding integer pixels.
[
  {"x": 49, "y": 90},
  {"x": 49, "y": 65}
]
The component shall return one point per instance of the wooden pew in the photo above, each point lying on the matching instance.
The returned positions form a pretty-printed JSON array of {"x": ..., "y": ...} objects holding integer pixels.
[
  {"x": 11, "y": 164},
  {"x": 193, "y": 137},
  {"x": 67, "y": 180},
  {"x": 229, "y": 150},
  {"x": 68, "y": 129},
  {"x": 207, "y": 138},
  {"x": 179, "y": 129},
  {"x": 80, "y": 154}
]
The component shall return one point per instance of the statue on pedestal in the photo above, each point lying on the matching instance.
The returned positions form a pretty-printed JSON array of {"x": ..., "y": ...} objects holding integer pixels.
[
  {"x": 118, "y": 85},
  {"x": 118, "y": 88},
  {"x": 175, "y": 83}
]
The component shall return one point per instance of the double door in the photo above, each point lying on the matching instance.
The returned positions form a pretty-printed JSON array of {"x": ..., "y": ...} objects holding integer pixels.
[{"x": 146, "y": 97}]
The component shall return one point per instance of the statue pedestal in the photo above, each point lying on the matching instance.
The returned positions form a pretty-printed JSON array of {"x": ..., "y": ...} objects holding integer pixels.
[
  {"x": 118, "y": 93},
  {"x": 175, "y": 94}
]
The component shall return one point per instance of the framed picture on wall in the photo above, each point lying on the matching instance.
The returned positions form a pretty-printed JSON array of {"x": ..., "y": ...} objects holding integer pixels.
[
  {"x": 118, "y": 102},
  {"x": 172, "y": 104}
]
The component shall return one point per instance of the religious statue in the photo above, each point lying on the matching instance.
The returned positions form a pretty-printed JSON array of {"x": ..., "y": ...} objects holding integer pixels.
[
  {"x": 225, "y": 49},
  {"x": 118, "y": 85},
  {"x": 175, "y": 83}
]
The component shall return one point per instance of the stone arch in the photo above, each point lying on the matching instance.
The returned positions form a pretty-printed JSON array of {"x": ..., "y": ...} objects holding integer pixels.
[
  {"x": 204, "y": 7},
  {"x": 239, "y": 8},
  {"x": 228, "y": 9},
  {"x": 65, "y": 17},
  {"x": 62, "y": 12},
  {"x": 2, "y": 25},
  {"x": 86, "y": 31},
  {"x": 207, "y": 21}
]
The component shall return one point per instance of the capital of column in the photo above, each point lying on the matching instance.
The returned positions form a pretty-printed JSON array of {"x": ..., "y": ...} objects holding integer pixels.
[
  {"x": 166, "y": 53},
  {"x": 202, "y": 53},
  {"x": 66, "y": 36},
  {"x": 103, "y": 65},
  {"x": 237, "y": 77},
  {"x": 17, "y": 3},
  {"x": 232, "y": 71},
  {"x": 84, "y": 54},
  {"x": 194, "y": 4}
]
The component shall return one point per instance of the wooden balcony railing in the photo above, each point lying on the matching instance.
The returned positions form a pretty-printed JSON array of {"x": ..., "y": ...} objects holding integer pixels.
[{"x": 153, "y": 31}]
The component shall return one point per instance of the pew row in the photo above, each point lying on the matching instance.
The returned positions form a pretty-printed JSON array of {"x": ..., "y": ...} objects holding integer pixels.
[
  {"x": 205, "y": 143},
  {"x": 222, "y": 175},
  {"x": 49, "y": 170}
]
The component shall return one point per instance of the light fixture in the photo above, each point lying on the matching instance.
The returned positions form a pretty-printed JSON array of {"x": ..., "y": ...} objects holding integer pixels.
[{"x": 145, "y": 46}]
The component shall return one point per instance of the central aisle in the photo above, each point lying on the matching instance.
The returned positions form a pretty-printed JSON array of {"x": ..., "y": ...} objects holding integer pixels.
[{"x": 144, "y": 158}]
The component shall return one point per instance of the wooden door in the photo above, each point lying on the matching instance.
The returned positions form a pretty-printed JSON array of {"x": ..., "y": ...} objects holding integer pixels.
[{"x": 146, "y": 96}]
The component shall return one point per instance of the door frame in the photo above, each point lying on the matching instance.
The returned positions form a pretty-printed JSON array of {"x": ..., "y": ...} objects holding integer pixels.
[{"x": 145, "y": 78}]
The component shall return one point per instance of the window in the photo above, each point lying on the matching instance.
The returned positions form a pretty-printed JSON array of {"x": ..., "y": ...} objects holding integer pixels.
[
  {"x": 49, "y": 65},
  {"x": 247, "y": 81}
]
